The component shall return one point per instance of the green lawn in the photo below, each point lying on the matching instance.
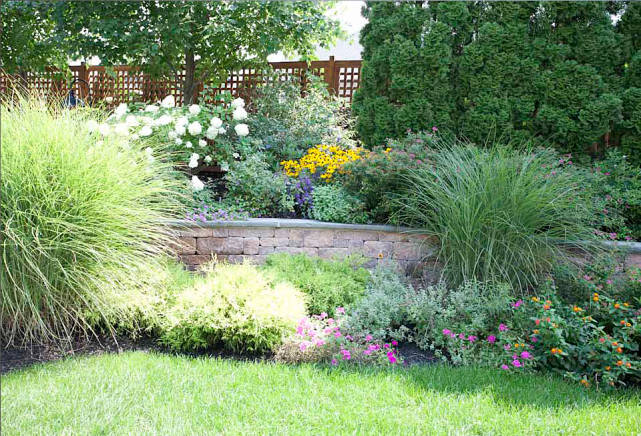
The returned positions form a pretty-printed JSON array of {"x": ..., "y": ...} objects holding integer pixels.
[{"x": 146, "y": 394}]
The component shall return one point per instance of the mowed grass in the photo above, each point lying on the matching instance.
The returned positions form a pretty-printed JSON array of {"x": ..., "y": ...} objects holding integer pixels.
[{"x": 153, "y": 394}]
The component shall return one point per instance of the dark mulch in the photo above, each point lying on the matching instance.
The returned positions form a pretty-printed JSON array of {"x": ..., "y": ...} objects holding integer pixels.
[{"x": 14, "y": 358}]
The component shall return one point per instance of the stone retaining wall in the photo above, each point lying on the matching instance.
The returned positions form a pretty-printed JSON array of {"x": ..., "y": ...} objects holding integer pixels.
[{"x": 255, "y": 239}]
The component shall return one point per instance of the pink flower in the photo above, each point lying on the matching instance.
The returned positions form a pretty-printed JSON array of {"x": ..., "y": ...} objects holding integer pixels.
[
  {"x": 303, "y": 346},
  {"x": 517, "y": 304},
  {"x": 534, "y": 339},
  {"x": 491, "y": 339},
  {"x": 323, "y": 315},
  {"x": 337, "y": 334},
  {"x": 434, "y": 129},
  {"x": 334, "y": 362},
  {"x": 340, "y": 311},
  {"x": 349, "y": 338},
  {"x": 507, "y": 346},
  {"x": 502, "y": 328},
  {"x": 346, "y": 354},
  {"x": 394, "y": 343},
  {"x": 609, "y": 281},
  {"x": 472, "y": 338},
  {"x": 587, "y": 277},
  {"x": 461, "y": 336},
  {"x": 368, "y": 337},
  {"x": 505, "y": 367},
  {"x": 386, "y": 346},
  {"x": 320, "y": 342},
  {"x": 516, "y": 363},
  {"x": 368, "y": 352},
  {"x": 526, "y": 355},
  {"x": 446, "y": 332},
  {"x": 330, "y": 321},
  {"x": 391, "y": 357}
]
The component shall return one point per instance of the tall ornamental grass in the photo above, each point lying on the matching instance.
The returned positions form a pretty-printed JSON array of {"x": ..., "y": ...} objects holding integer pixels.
[
  {"x": 81, "y": 219},
  {"x": 500, "y": 213}
]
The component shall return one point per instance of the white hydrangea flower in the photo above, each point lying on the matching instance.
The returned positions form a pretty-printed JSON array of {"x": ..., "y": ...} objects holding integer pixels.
[
  {"x": 188, "y": 144},
  {"x": 131, "y": 121},
  {"x": 236, "y": 155},
  {"x": 211, "y": 133},
  {"x": 109, "y": 100},
  {"x": 149, "y": 150},
  {"x": 163, "y": 120},
  {"x": 121, "y": 110},
  {"x": 195, "y": 128},
  {"x": 241, "y": 129},
  {"x": 122, "y": 129},
  {"x": 92, "y": 125},
  {"x": 179, "y": 141},
  {"x": 197, "y": 184},
  {"x": 182, "y": 121},
  {"x": 172, "y": 135},
  {"x": 168, "y": 102},
  {"x": 202, "y": 143},
  {"x": 239, "y": 102},
  {"x": 145, "y": 131},
  {"x": 193, "y": 160},
  {"x": 194, "y": 109},
  {"x": 152, "y": 108},
  {"x": 216, "y": 123},
  {"x": 146, "y": 120},
  {"x": 222, "y": 131},
  {"x": 135, "y": 136},
  {"x": 180, "y": 130},
  {"x": 208, "y": 159},
  {"x": 104, "y": 129},
  {"x": 240, "y": 114},
  {"x": 224, "y": 166}
]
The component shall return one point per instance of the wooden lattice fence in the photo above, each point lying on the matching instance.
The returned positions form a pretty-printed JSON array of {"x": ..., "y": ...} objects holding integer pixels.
[{"x": 128, "y": 84}]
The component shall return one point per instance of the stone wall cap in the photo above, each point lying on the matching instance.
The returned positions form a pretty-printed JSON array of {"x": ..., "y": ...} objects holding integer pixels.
[{"x": 289, "y": 224}]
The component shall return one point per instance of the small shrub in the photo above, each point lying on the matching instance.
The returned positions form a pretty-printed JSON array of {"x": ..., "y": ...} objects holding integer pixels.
[
  {"x": 332, "y": 203},
  {"x": 328, "y": 283},
  {"x": 382, "y": 312},
  {"x": 324, "y": 339},
  {"x": 499, "y": 213},
  {"x": 258, "y": 190},
  {"x": 472, "y": 309},
  {"x": 82, "y": 214},
  {"x": 237, "y": 306}
]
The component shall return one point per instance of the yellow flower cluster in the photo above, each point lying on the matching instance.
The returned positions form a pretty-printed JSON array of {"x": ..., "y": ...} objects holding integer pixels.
[{"x": 322, "y": 158}]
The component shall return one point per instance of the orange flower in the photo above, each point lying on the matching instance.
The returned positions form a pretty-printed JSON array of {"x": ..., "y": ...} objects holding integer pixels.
[
  {"x": 560, "y": 351},
  {"x": 619, "y": 350},
  {"x": 607, "y": 368},
  {"x": 516, "y": 345},
  {"x": 628, "y": 364},
  {"x": 626, "y": 304},
  {"x": 616, "y": 306},
  {"x": 536, "y": 331},
  {"x": 619, "y": 362},
  {"x": 595, "y": 298},
  {"x": 553, "y": 351},
  {"x": 548, "y": 302},
  {"x": 628, "y": 325},
  {"x": 614, "y": 344},
  {"x": 585, "y": 383},
  {"x": 576, "y": 309},
  {"x": 622, "y": 322},
  {"x": 546, "y": 307}
]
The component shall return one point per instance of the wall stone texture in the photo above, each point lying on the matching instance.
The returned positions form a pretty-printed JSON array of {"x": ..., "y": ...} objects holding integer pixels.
[{"x": 196, "y": 245}]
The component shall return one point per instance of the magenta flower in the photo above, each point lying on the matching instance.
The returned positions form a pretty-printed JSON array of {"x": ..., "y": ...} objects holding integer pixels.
[
  {"x": 368, "y": 352},
  {"x": 472, "y": 338},
  {"x": 386, "y": 346},
  {"x": 507, "y": 347},
  {"x": 303, "y": 346},
  {"x": 434, "y": 129},
  {"x": 394, "y": 343},
  {"x": 368, "y": 338},
  {"x": 346, "y": 354},
  {"x": 461, "y": 336},
  {"x": 526, "y": 355},
  {"x": 349, "y": 338},
  {"x": 534, "y": 339},
  {"x": 502, "y": 328},
  {"x": 320, "y": 342},
  {"x": 446, "y": 332},
  {"x": 334, "y": 362},
  {"x": 340, "y": 311},
  {"x": 337, "y": 334},
  {"x": 505, "y": 367},
  {"x": 516, "y": 363},
  {"x": 391, "y": 357},
  {"x": 323, "y": 315},
  {"x": 491, "y": 339},
  {"x": 517, "y": 304}
]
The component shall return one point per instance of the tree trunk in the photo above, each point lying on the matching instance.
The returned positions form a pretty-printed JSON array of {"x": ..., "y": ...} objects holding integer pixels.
[{"x": 188, "y": 85}]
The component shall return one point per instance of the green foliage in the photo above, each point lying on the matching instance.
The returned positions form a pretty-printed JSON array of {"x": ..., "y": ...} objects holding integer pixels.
[
  {"x": 473, "y": 308},
  {"x": 331, "y": 203},
  {"x": 237, "y": 306},
  {"x": 328, "y": 283},
  {"x": 499, "y": 213},
  {"x": 287, "y": 123},
  {"x": 209, "y": 39},
  {"x": 382, "y": 312},
  {"x": 521, "y": 69},
  {"x": 260, "y": 191},
  {"x": 82, "y": 216}
]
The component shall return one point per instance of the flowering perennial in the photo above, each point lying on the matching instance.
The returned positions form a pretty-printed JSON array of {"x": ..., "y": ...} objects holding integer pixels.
[{"x": 324, "y": 159}]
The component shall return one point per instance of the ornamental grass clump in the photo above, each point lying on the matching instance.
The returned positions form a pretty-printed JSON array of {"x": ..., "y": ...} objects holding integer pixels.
[
  {"x": 81, "y": 218},
  {"x": 501, "y": 214}
]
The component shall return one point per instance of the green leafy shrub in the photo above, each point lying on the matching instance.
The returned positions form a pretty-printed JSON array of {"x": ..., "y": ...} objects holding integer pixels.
[
  {"x": 332, "y": 203},
  {"x": 287, "y": 123},
  {"x": 327, "y": 283},
  {"x": 82, "y": 214},
  {"x": 382, "y": 311},
  {"x": 499, "y": 213},
  {"x": 254, "y": 187},
  {"x": 238, "y": 306}
]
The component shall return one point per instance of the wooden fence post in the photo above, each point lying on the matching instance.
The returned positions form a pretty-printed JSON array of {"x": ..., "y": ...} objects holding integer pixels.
[{"x": 330, "y": 74}]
